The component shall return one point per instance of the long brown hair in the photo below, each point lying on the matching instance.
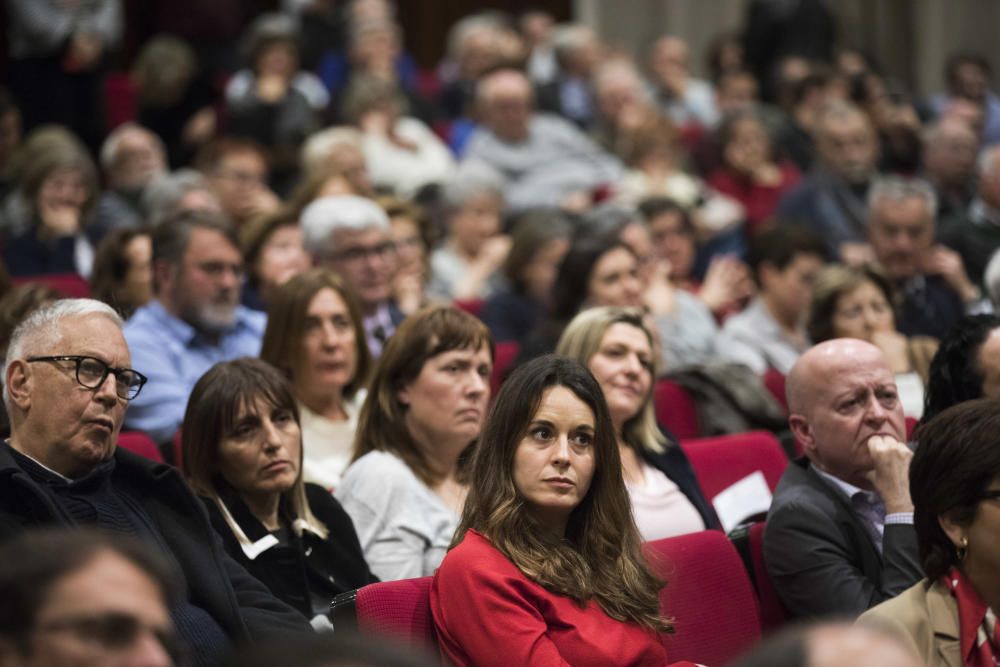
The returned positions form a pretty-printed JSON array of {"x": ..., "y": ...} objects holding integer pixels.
[
  {"x": 427, "y": 333},
  {"x": 212, "y": 410},
  {"x": 600, "y": 556},
  {"x": 286, "y": 325}
]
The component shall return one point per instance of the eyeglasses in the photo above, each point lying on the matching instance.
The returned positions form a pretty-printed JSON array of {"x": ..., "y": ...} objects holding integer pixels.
[
  {"x": 115, "y": 631},
  {"x": 91, "y": 372}
]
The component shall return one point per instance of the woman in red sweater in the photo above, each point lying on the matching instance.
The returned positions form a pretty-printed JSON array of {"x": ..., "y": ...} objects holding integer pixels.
[{"x": 545, "y": 567}]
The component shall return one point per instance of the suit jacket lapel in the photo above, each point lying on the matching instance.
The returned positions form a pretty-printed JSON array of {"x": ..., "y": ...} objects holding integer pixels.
[
  {"x": 871, "y": 559},
  {"x": 942, "y": 612}
]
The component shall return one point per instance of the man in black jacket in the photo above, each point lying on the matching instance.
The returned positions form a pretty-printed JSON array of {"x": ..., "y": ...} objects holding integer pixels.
[{"x": 67, "y": 385}]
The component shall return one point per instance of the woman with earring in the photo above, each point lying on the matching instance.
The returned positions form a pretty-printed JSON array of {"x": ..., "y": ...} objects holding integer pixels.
[{"x": 949, "y": 617}]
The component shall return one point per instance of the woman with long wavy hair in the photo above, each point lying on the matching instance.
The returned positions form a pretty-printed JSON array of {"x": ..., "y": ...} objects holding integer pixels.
[{"x": 546, "y": 567}]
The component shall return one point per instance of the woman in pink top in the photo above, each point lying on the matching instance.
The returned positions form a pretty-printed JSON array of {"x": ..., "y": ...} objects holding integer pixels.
[{"x": 545, "y": 567}]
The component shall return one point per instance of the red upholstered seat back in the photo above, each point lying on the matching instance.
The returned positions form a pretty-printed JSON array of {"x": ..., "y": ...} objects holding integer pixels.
[
  {"x": 724, "y": 460},
  {"x": 504, "y": 355},
  {"x": 708, "y": 595},
  {"x": 139, "y": 443},
  {"x": 401, "y": 609},
  {"x": 68, "y": 284},
  {"x": 676, "y": 410},
  {"x": 772, "y": 611}
]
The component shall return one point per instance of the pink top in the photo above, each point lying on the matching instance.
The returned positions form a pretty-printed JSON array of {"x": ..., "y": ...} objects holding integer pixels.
[
  {"x": 660, "y": 508},
  {"x": 486, "y": 612}
]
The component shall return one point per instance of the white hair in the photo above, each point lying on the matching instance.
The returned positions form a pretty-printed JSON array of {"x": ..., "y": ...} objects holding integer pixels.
[
  {"x": 896, "y": 189},
  {"x": 109, "y": 149},
  {"x": 41, "y": 327},
  {"x": 472, "y": 179},
  {"x": 321, "y": 219},
  {"x": 317, "y": 149},
  {"x": 163, "y": 195},
  {"x": 568, "y": 37}
]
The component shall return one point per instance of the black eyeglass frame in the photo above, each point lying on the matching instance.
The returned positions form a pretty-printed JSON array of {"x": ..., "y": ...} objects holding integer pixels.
[{"x": 78, "y": 359}]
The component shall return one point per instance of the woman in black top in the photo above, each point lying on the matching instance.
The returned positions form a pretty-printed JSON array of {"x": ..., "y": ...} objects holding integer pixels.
[{"x": 242, "y": 452}]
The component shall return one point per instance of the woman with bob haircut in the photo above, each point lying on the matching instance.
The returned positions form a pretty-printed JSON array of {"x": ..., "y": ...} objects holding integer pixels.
[
  {"x": 859, "y": 302},
  {"x": 949, "y": 617},
  {"x": 619, "y": 348},
  {"x": 546, "y": 566},
  {"x": 315, "y": 336},
  {"x": 242, "y": 448},
  {"x": 425, "y": 407},
  {"x": 966, "y": 366}
]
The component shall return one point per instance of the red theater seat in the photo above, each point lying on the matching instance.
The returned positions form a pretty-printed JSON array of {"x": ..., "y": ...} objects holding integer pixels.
[
  {"x": 400, "y": 609},
  {"x": 69, "y": 285},
  {"x": 722, "y": 461},
  {"x": 708, "y": 595},
  {"x": 676, "y": 410},
  {"x": 139, "y": 443},
  {"x": 749, "y": 542}
]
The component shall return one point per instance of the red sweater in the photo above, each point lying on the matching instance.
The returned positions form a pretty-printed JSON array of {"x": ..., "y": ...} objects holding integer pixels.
[
  {"x": 760, "y": 201},
  {"x": 487, "y": 612}
]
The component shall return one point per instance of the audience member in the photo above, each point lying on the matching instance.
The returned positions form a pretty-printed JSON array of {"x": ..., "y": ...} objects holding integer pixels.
[
  {"x": 726, "y": 283},
  {"x": 180, "y": 191},
  {"x": 947, "y": 617},
  {"x": 538, "y": 242},
  {"x": 174, "y": 97},
  {"x": 236, "y": 171},
  {"x": 132, "y": 157},
  {"x": 831, "y": 644},
  {"x": 974, "y": 233},
  {"x": 569, "y": 93},
  {"x": 273, "y": 253},
  {"x": 242, "y": 443},
  {"x": 839, "y": 536},
  {"x": 352, "y": 236},
  {"x": 315, "y": 337},
  {"x": 770, "y": 332},
  {"x": 86, "y": 598},
  {"x": 685, "y": 99},
  {"x": 831, "y": 199},
  {"x": 335, "y": 152},
  {"x": 17, "y": 303},
  {"x": 464, "y": 265},
  {"x": 622, "y": 102},
  {"x": 931, "y": 280},
  {"x": 967, "y": 76},
  {"x": 425, "y": 407},
  {"x": 547, "y": 532},
  {"x": 859, "y": 302},
  {"x": 412, "y": 235},
  {"x": 403, "y": 154},
  {"x": 63, "y": 468},
  {"x": 194, "y": 320},
  {"x": 966, "y": 365},
  {"x": 750, "y": 172},
  {"x": 949, "y": 164},
  {"x": 545, "y": 159},
  {"x": 123, "y": 270},
  {"x": 57, "y": 182},
  {"x": 536, "y": 27},
  {"x": 620, "y": 350}
]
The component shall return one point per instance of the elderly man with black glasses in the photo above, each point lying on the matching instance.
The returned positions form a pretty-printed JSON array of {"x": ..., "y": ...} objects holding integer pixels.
[{"x": 67, "y": 384}]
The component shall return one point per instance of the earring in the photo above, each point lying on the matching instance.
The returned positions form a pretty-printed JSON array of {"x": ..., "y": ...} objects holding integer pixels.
[{"x": 962, "y": 551}]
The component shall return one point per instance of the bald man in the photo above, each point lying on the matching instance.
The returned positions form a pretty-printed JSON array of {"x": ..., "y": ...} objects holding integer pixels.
[{"x": 839, "y": 535}]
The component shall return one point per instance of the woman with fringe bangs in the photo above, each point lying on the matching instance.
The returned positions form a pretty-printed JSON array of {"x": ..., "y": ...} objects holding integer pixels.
[{"x": 546, "y": 567}]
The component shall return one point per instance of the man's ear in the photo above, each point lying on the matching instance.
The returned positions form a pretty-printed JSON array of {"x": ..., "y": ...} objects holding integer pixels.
[
  {"x": 164, "y": 273},
  {"x": 803, "y": 433},
  {"x": 19, "y": 381}
]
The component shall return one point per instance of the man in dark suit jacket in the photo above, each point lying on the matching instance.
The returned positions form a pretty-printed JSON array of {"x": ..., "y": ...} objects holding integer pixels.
[{"x": 839, "y": 535}]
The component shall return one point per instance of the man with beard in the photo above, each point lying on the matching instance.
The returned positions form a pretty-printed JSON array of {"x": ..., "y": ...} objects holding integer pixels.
[
  {"x": 194, "y": 321},
  {"x": 832, "y": 199}
]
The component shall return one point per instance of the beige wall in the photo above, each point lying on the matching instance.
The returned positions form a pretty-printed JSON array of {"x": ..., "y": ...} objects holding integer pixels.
[{"x": 909, "y": 38}]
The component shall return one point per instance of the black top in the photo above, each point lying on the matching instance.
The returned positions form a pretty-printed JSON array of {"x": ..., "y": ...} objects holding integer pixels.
[
  {"x": 304, "y": 571},
  {"x": 674, "y": 463}
]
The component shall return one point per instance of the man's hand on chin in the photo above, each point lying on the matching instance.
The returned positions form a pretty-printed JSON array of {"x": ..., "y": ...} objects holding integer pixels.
[{"x": 890, "y": 476}]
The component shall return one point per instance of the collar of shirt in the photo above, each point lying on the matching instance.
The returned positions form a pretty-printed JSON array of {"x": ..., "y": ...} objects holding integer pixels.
[
  {"x": 846, "y": 487},
  {"x": 18, "y": 452},
  {"x": 183, "y": 331}
]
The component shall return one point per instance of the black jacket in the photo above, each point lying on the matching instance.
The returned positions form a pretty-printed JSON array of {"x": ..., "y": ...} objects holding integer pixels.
[
  {"x": 240, "y": 604},
  {"x": 308, "y": 567}
]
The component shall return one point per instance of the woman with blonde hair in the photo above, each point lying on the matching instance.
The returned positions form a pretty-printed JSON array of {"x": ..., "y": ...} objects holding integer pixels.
[
  {"x": 243, "y": 455},
  {"x": 546, "y": 566},
  {"x": 425, "y": 407},
  {"x": 316, "y": 338},
  {"x": 619, "y": 348}
]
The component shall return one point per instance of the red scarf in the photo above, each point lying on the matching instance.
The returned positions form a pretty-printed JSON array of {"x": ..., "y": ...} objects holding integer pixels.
[{"x": 978, "y": 627}]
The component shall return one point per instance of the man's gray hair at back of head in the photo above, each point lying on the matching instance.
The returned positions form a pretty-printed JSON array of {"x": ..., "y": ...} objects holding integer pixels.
[
  {"x": 472, "y": 179},
  {"x": 328, "y": 215},
  {"x": 40, "y": 327}
]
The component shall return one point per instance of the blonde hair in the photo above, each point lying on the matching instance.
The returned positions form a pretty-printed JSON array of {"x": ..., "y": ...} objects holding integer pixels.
[{"x": 582, "y": 339}]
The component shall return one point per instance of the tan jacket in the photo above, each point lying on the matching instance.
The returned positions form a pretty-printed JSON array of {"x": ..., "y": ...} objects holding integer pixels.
[{"x": 924, "y": 616}]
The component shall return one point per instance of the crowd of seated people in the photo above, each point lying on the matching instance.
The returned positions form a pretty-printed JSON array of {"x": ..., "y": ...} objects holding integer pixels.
[{"x": 306, "y": 317}]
